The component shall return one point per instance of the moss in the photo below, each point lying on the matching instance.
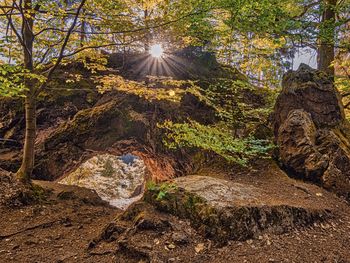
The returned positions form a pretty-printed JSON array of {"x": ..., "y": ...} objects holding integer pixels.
[
  {"x": 39, "y": 193},
  {"x": 181, "y": 203},
  {"x": 221, "y": 225},
  {"x": 108, "y": 169},
  {"x": 134, "y": 211},
  {"x": 190, "y": 206},
  {"x": 87, "y": 121}
]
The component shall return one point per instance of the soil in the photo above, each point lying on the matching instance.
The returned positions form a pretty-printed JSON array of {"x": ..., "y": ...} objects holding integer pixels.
[
  {"x": 57, "y": 229},
  {"x": 74, "y": 225}
]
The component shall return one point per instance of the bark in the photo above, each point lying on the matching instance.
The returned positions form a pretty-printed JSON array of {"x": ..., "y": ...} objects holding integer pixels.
[
  {"x": 26, "y": 169},
  {"x": 326, "y": 52},
  {"x": 27, "y": 166}
]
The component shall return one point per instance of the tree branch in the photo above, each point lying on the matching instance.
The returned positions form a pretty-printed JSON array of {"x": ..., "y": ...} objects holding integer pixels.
[
  {"x": 63, "y": 47},
  {"x": 66, "y": 40}
]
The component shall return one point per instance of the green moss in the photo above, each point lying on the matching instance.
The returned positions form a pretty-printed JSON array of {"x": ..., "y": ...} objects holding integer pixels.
[
  {"x": 161, "y": 191},
  {"x": 39, "y": 193}
]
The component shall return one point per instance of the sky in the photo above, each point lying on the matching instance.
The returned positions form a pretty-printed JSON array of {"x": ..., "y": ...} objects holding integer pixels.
[{"x": 307, "y": 56}]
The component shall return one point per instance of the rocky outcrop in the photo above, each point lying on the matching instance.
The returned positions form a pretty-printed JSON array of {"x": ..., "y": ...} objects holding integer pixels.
[
  {"x": 118, "y": 124},
  {"x": 224, "y": 210},
  {"x": 311, "y": 132},
  {"x": 78, "y": 123}
]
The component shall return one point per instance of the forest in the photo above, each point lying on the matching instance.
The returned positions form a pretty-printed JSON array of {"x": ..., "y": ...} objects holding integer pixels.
[{"x": 174, "y": 131}]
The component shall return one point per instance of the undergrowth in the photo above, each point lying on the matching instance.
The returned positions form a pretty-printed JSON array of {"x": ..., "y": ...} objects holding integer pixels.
[{"x": 232, "y": 136}]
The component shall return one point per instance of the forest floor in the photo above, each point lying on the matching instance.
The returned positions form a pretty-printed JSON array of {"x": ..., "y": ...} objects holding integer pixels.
[{"x": 61, "y": 228}]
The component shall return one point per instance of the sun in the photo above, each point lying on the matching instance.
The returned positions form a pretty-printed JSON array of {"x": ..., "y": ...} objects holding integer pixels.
[{"x": 156, "y": 51}]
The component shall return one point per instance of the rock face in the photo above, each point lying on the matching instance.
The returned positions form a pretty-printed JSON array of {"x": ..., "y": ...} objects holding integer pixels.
[
  {"x": 311, "y": 131},
  {"x": 118, "y": 180},
  {"x": 224, "y": 210},
  {"x": 71, "y": 129}
]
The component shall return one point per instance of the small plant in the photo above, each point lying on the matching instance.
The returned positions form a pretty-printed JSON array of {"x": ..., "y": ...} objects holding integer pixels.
[
  {"x": 161, "y": 190},
  {"x": 216, "y": 139}
]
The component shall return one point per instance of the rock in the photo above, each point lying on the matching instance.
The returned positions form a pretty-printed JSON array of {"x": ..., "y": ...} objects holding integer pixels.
[
  {"x": 311, "y": 132},
  {"x": 114, "y": 180},
  {"x": 309, "y": 161},
  {"x": 118, "y": 124},
  {"x": 223, "y": 210},
  {"x": 199, "y": 248},
  {"x": 312, "y": 91},
  {"x": 171, "y": 246},
  {"x": 67, "y": 195},
  {"x": 71, "y": 192}
]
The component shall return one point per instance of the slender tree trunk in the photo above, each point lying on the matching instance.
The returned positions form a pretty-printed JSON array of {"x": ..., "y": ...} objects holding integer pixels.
[
  {"x": 27, "y": 166},
  {"x": 326, "y": 52},
  {"x": 25, "y": 172}
]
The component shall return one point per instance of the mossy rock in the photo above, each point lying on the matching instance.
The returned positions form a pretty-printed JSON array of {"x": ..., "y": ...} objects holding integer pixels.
[{"x": 223, "y": 210}]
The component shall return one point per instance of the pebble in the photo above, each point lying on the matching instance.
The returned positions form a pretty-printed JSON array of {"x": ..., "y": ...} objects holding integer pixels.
[
  {"x": 199, "y": 248},
  {"x": 249, "y": 242},
  {"x": 171, "y": 246}
]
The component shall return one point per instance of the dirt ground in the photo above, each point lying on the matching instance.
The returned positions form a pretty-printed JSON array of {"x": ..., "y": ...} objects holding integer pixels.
[
  {"x": 55, "y": 230},
  {"x": 61, "y": 229}
]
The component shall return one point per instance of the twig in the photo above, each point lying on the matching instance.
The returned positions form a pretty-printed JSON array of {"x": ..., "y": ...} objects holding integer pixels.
[{"x": 43, "y": 225}]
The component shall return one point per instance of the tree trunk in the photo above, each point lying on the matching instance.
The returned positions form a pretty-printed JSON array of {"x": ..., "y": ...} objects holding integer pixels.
[
  {"x": 25, "y": 171},
  {"x": 326, "y": 52}
]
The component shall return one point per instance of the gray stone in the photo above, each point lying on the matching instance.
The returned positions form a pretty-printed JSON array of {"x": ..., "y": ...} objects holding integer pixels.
[{"x": 225, "y": 210}]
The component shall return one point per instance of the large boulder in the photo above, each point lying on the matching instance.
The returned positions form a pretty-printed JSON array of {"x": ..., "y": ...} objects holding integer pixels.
[
  {"x": 224, "y": 210},
  {"x": 311, "y": 132}
]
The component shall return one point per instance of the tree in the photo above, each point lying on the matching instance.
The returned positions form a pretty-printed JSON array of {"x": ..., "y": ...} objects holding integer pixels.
[
  {"x": 326, "y": 50},
  {"x": 21, "y": 17}
]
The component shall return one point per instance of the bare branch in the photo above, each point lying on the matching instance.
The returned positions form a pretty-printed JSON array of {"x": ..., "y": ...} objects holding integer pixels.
[
  {"x": 8, "y": 15},
  {"x": 63, "y": 47},
  {"x": 140, "y": 29},
  {"x": 96, "y": 47}
]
